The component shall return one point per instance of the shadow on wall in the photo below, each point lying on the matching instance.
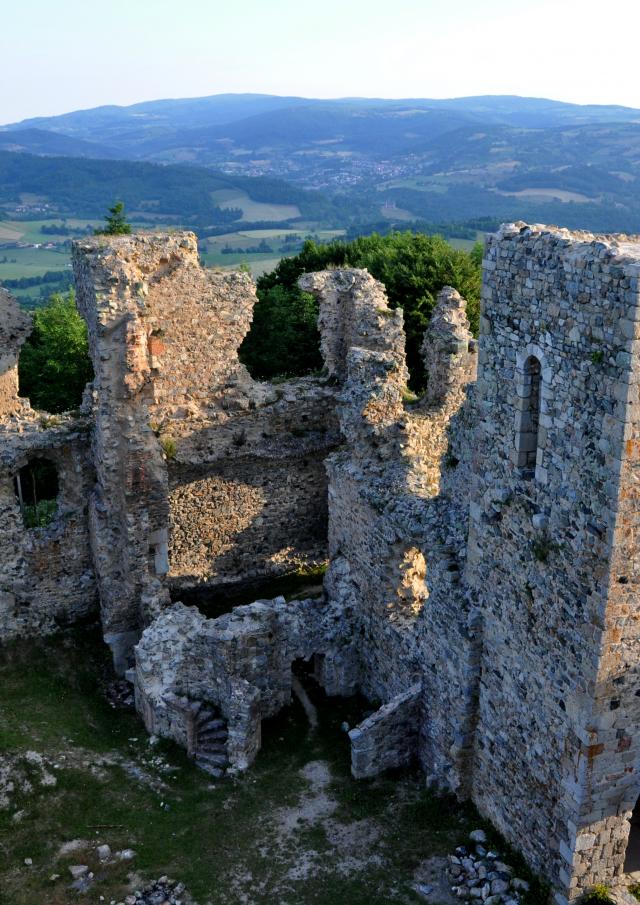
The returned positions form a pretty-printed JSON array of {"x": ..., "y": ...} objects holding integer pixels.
[{"x": 246, "y": 519}]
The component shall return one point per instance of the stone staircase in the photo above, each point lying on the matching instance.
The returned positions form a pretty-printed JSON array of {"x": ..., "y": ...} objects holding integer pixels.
[
  {"x": 206, "y": 732},
  {"x": 210, "y": 742}
]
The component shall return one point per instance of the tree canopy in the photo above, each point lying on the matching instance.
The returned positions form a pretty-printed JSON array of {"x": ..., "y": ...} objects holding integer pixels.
[
  {"x": 54, "y": 365},
  {"x": 413, "y": 267},
  {"x": 283, "y": 340}
]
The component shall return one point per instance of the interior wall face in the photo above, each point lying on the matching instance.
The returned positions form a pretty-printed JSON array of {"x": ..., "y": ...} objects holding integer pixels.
[
  {"x": 46, "y": 574},
  {"x": 245, "y": 519}
]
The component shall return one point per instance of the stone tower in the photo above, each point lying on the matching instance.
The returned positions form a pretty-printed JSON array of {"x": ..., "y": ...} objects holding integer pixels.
[{"x": 553, "y": 549}]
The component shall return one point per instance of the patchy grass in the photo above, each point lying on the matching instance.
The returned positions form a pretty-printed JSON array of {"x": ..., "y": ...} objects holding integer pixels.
[
  {"x": 169, "y": 447},
  {"x": 599, "y": 895},
  {"x": 296, "y": 829}
]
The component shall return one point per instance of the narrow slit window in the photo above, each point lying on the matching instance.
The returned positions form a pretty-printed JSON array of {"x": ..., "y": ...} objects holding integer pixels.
[{"x": 527, "y": 438}]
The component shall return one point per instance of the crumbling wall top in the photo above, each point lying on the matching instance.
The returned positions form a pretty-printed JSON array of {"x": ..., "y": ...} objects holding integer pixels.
[
  {"x": 15, "y": 326},
  {"x": 353, "y": 313},
  {"x": 448, "y": 347},
  {"x": 184, "y": 323},
  {"x": 624, "y": 248}
]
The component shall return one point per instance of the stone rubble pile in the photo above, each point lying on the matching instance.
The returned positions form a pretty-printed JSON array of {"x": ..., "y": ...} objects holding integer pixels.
[
  {"x": 161, "y": 892},
  {"x": 479, "y": 874},
  {"x": 119, "y": 693}
]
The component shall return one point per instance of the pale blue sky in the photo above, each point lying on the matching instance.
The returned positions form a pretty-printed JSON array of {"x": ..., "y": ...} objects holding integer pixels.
[{"x": 61, "y": 55}]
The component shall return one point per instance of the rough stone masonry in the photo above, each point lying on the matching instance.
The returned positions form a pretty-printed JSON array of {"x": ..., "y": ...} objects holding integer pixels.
[{"x": 482, "y": 541}]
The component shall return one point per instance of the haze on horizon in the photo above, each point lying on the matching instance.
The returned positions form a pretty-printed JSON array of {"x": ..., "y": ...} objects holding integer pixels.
[{"x": 72, "y": 55}]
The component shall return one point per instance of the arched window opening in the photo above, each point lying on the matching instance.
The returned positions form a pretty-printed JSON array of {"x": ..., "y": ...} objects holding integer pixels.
[
  {"x": 527, "y": 437},
  {"x": 632, "y": 856},
  {"x": 37, "y": 489}
]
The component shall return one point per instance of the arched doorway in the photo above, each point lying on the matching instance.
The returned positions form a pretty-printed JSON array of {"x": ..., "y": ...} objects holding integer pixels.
[{"x": 632, "y": 855}]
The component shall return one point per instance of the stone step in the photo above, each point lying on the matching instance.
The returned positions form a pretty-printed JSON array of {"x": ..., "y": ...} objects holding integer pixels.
[
  {"x": 213, "y": 748},
  {"x": 204, "y": 716},
  {"x": 216, "y": 760},
  {"x": 209, "y": 723},
  {"x": 210, "y": 769},
  {"x": 213, "y": 734}
]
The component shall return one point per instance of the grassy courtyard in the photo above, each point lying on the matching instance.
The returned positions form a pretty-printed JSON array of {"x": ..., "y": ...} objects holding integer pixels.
[{"x": 76, "y": 772}]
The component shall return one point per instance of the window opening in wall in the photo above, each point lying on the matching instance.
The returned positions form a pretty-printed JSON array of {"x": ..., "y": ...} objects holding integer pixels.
[
  {"x": 527, "y": 440},
  {"x": 284, "y": 339},
  {"x": 632, "y": 856},
  {"x": 37, "y": 489}
]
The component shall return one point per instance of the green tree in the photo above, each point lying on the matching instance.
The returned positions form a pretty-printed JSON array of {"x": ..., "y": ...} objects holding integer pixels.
[
  {"x": 413, "y": 268},
  {"x": 284, "y": 339},
  {"x": 116, "y": 223},
  {"x": 54, "y": 365}
]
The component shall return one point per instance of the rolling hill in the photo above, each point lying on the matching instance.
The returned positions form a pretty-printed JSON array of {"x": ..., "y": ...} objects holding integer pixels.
[
  {"x": 41, "y": 141},
  {"x": 368, "y": 161}
]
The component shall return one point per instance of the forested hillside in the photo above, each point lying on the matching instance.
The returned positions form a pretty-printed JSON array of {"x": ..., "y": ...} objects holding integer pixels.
[
  {"x": 83, "y": 188},
  {"x": 257, "y": 175}
]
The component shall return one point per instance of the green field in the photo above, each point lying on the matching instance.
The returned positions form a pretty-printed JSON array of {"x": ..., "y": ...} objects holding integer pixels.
[
  {"x": 282, "y": 242},
  {"x": 435, "y": 184},
  {"x": 16, "y": 263},
  {"x": 254, "y": 210},
  {"x": 467, "y": 244},
  {"x": 34, "y": 262},
  {"x": 31, "y": 262},
  {"x": 391, "y": 212},
  {"x": 29, "y": 230}
]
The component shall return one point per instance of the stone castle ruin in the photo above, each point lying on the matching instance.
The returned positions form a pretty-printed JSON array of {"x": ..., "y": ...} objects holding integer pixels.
[{"x": 482, "y": 541}]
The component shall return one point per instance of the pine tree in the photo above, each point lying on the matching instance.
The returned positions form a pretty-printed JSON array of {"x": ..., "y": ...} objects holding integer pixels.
[{"x": 115, "y": 222}]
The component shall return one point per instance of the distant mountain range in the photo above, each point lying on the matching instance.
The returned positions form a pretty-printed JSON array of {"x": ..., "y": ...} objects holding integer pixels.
[
  {"x": 162, "y": 123},
  {"x": 493, "y": 156}
]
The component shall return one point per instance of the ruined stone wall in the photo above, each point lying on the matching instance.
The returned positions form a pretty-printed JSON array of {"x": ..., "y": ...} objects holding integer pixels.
[
  {"x": 389, "y": 738},
  {"x": 556, "y": 739},
  {"x": 372, "y": 422},
  {"x": 231, "y": 523},
  {"x": 46, "y": 574},
  {"x": 15, "y": 326},
  {"x": 483, "y": 539},
  {"x": 610, "y": 771},
  {"x": 523, "y": 636},
  {"x": 240, "y": 664},
  {"x": 204, "y": 475},
  {"x": 349, "y": 315},
  {"x": 128, "y": 508},
  {"x": 248, "y": 498},
  {"x": 397, "y": 520}
]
